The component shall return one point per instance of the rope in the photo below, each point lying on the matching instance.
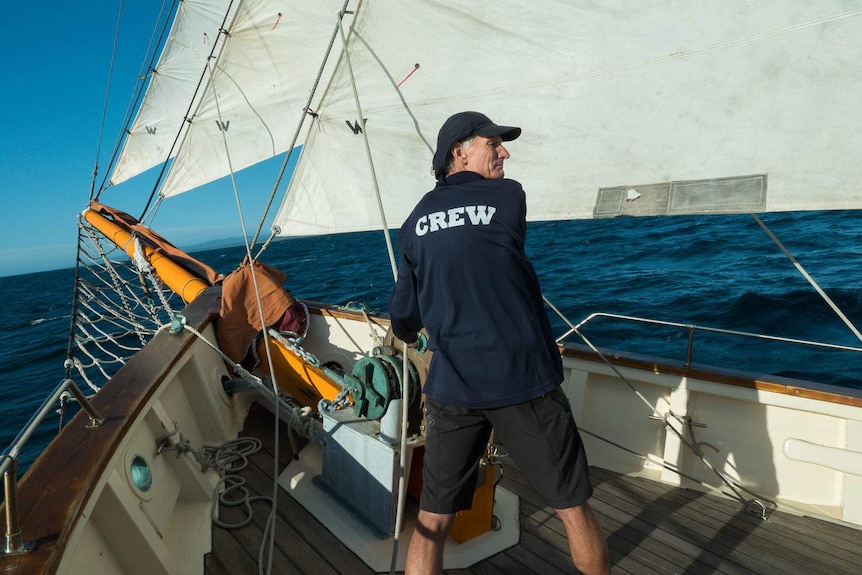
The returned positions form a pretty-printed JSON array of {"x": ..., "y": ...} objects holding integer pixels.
[
  {"x": 402, "y": 480},
  {"x": 231, "y": 483},
  {"x": 69, "y": 363},
  {"x": 364, "y": 310},
  {"x": 361, "y": 120},
  {"x": 270, "y": 536},
  {"x": 734, "y": 486},
  {"x": 111, "y": 318},
  {"x": 402, "y": 460},
  {"x": 105, "y": 105},
  {"x": 182, "y": 129},
  {"x": 228, "y": 460},
  {"x": 274, "y": 233}
]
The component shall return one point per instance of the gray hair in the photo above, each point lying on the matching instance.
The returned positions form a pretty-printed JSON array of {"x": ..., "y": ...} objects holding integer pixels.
[{"x": 466, "y": 143}]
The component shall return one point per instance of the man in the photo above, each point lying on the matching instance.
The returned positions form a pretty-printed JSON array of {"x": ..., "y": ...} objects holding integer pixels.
[{"x": 465, "y": 277}]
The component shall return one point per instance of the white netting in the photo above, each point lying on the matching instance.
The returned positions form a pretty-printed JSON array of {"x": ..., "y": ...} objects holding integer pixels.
[{"x": 117, "y": 308}]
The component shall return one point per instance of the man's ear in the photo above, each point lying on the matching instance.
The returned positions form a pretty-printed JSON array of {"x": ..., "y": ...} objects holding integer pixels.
[{"x": 459, "y": 153}]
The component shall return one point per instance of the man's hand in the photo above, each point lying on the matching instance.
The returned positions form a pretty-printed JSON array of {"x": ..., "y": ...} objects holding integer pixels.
[{"x": 421, "y": 343}]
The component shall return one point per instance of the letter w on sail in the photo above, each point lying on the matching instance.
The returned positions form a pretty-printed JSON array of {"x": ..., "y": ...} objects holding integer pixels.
[
  {"x": 356, "y": 126},
  {"x": 223, "y": 126}
]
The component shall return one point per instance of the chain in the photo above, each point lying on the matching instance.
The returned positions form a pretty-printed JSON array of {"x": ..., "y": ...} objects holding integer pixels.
[
  {"x": 293, "y": 344},
  {"x": 341, "y": 401}
]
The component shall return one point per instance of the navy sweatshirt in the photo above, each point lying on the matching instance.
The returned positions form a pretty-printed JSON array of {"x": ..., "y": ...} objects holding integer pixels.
[{"x": 465, "y": 277}]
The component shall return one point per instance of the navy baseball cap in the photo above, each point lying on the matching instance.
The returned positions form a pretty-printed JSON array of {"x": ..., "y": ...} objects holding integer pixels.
[{"x": 461, "y": 126}]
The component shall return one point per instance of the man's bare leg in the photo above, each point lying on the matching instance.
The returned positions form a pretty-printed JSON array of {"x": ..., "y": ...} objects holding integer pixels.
[
  {"x": 586, "y": 541},
  {"x": 425, "y": 553}
]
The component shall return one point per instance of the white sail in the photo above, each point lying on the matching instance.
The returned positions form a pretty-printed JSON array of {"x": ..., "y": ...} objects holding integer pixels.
[
  {"x": 172, "y": 87},
  {"x": 257, "y": 90},
  {"x": 627, "y": 108}
]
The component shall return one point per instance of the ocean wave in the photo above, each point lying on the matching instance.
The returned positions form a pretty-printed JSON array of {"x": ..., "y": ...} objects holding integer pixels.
[
  {"x": 795, "y": 313},
  {"x": 40, "y": 320}
]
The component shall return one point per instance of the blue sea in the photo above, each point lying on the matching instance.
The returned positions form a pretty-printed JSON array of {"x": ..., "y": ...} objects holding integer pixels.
[{"x": 718, "y": 271}]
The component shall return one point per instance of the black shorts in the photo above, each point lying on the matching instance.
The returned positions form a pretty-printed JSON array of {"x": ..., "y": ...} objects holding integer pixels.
[{"x": 540, "y": 435}]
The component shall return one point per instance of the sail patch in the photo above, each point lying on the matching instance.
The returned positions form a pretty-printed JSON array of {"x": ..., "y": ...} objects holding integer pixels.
[{"x": 731, "y": 195}]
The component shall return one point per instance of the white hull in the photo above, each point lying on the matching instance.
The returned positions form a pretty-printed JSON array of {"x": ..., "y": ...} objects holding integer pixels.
[
  {"x": 802, "y": 453},
  {"x": 166, "y": 530}
]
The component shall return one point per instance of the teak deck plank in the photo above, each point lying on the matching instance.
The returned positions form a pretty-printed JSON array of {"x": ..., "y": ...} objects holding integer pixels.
[
  {"x": 737, "y": 526},
  {"x": 651, "y": 529}
]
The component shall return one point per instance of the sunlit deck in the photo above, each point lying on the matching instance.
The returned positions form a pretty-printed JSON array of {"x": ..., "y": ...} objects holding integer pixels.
[{"x": 651, "y": 528}]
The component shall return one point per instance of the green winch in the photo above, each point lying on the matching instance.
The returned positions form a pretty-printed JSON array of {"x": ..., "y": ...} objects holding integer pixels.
[{"x": 377, "y": 380}]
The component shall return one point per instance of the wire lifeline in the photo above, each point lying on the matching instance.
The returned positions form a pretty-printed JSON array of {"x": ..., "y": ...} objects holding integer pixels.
[{"x": 665, "y": 418}]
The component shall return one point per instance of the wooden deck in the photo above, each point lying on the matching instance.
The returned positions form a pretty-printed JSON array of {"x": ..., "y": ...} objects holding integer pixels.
[{"x": 650, "y": 528}]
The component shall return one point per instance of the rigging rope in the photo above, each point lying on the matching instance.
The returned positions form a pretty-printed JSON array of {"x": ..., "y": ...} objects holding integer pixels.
[
  {"x": 402, "y": 479},
  {"x": 292, "y": 146},
  {"x": 139, "y": 90},
  {"x": 105, "y": 105},
  {"x": 117, "y": 307},
  {"x": 808, "y": 277},
  {"x": 111, "y": 319},
  {"x": 374, "y": 182},
  {"x": 267, "y": 341}
]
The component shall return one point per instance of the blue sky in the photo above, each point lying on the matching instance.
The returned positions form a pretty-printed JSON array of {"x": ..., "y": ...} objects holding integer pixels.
[{"x": 57, "y": 57}]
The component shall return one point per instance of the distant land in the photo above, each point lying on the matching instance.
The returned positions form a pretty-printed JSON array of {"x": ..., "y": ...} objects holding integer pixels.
[
  {"x": 221, "y": 243},
  {"x": 214, "y": 244}
]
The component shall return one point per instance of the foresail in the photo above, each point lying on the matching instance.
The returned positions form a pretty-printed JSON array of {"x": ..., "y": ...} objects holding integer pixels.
[
  {"x": 256, "y": 90},
  {"x": 172, "y": 87},
  {"x": 627, "y": 108}
]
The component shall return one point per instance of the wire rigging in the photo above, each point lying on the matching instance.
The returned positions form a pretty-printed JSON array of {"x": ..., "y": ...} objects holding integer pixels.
[
  {"x": 808, "y": 277},
  {"x": 298, "y": 130},
  {"x": 147, "y": 67}
]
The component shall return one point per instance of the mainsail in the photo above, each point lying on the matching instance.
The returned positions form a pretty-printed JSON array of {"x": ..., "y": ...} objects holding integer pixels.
[{"x": 628, "y": 108}]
